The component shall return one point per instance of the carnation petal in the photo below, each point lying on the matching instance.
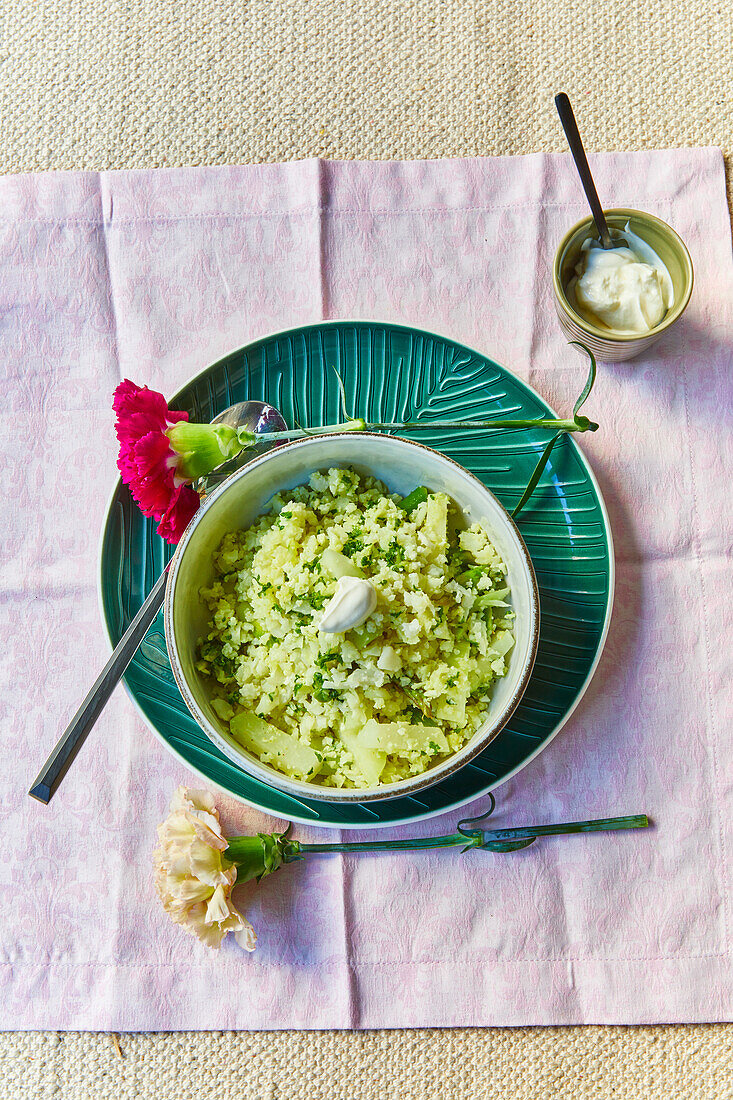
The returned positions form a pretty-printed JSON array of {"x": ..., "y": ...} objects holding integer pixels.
[
  {"x": 187, "y": 799},
  {"x": 153, "y": 495},
  {"x": 150, "y": 455},
  {"x": 136, "y": 425},
  {"x": 217, "y": 908},
  {"x": 205, "y": 863},
  {"x": 246, "y": 936},
  {"x": 183, "y": 506},
  {"x": 208, "y": 829},
  {"x": 185, "y": 891},
  {"x": 130, "y": 400},
  {"x": 194, "y": 921}
]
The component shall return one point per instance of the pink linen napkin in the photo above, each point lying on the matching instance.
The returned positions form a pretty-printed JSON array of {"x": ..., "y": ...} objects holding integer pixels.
[{"x": 153, "y": 275}]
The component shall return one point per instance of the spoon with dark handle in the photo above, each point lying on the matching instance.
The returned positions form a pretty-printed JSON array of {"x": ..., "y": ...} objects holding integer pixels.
[
  {"x": 570, "y": 126},
  {"x": 256, "y": 416}
]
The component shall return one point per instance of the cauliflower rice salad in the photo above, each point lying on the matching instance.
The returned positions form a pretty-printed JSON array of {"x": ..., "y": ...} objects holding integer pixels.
[{"x": 390, "y": 697}]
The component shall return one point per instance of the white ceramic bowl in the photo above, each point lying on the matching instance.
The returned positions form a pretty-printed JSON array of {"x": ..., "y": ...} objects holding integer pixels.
[{"x": 401, "y": 465}]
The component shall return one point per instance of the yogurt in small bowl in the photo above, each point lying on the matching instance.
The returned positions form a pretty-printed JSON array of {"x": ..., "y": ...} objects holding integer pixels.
[{"x": 619, "y": 301}]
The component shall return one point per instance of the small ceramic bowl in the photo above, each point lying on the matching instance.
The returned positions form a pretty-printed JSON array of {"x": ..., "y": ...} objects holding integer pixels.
[
  {"x": 401, "y": 465},
  {"x": 604, "y": 344}
]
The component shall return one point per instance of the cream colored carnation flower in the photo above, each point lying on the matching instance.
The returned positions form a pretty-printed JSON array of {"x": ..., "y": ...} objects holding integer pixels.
[{"x": 192, "y": 876}]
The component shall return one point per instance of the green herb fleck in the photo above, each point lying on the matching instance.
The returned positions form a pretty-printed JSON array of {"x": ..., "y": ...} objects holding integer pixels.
[
  {"x": 394, "y": 553},
  {"x": 227, "y": 665},
  {"x": 321, "y": 693},
  {"x": 324, "y": 660},
  {"x": 353, "y": 545},
  {"x": 472, "y": 574}
]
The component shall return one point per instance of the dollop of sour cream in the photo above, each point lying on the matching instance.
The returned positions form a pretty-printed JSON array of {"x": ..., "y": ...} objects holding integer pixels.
[
  {"x": 626, "y": 289},
  {"x": 353, "y": 601}
]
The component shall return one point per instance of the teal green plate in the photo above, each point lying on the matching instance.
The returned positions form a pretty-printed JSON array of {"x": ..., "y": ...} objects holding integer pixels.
[{"x": 392, "y": 372}]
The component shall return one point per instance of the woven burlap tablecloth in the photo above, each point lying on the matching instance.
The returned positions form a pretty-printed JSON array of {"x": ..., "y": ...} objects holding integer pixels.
[{"x": 140, "y": 84}]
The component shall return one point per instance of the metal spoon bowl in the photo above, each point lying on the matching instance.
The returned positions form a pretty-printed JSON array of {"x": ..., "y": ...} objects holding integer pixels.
[{"x": 255, "y": 416}]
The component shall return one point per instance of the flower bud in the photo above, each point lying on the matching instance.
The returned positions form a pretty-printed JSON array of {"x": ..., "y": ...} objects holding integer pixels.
[{"x": 201, "y": 447}]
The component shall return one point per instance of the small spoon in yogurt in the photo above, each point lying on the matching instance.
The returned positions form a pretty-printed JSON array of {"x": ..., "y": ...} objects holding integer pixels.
[{"x": 570, "y": 126}]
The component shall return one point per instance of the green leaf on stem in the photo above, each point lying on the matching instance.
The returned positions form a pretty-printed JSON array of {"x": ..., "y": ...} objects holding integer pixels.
[
  {"x": 508, "y": 845},
  {"x": 536, "y": 475},
  {"x": 348, "y": 417},
  {"x": 582, "y": 424},
  {"x": 245, "y": 438}
]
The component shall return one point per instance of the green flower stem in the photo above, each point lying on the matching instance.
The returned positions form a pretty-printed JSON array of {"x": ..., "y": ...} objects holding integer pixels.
[
  {"x": 414, "y": 845},
  {"x": 263, "y": 854},
  {"x": 446, "y": 425},
  {"x": 575, "y": 423},
  {"x": 430, "y": 425},
  {"x": 491, "y": 839}
]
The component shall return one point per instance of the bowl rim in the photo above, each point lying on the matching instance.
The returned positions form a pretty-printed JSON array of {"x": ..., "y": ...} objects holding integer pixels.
[
  {"x": 300, "y": 788},
  {"x": 606, "y": 334}
]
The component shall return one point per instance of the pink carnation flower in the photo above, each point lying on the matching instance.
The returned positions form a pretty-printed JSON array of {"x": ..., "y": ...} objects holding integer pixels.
[{"x": 148, "y": 463}]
